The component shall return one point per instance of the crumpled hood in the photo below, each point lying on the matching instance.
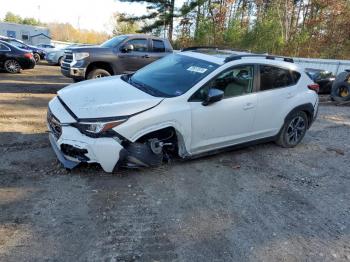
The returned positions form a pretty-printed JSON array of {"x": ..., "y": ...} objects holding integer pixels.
[{"x": 106, "y": 97}]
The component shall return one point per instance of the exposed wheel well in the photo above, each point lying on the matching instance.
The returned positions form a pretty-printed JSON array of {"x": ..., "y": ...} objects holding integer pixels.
[
  {"x": 101, "y": 65},
  {"x": 166, "y": 135}
]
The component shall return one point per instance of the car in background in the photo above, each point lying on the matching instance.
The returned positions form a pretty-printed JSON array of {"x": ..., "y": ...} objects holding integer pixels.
[
  {"x": 187, "y": 104},
  {"x": 38, "y": 53},
  {"x": 323, "y": 78},
  {"x": 46, "y": 47},
  {"x": 14, "y": 59},
  {"x": 121, "y": 54},
  {"x": 56, "y": 56}
]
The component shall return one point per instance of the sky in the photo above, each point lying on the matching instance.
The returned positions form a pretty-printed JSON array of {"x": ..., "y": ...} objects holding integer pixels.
[{"x": 86, "y": 14}]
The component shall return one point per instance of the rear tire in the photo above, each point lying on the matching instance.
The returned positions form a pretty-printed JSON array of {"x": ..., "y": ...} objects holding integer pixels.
[
  {"x": 293, "y": 130},
  {"x": 12, "y": 66},
  {"x": 36, "y": 57},
  {"x": 98, "y": 73}
]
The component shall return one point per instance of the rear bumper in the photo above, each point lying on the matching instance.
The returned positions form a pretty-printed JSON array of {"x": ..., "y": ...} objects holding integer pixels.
[{"x": 28, "y": 64}]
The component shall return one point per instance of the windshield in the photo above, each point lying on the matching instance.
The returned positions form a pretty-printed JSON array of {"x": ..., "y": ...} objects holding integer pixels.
[
  {"x": 172, "y": 75},
  {"x": 113, "y": 42}
]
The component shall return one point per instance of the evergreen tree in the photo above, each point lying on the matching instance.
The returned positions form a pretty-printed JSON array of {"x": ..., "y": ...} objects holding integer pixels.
[{"x": 160, "y": 16}]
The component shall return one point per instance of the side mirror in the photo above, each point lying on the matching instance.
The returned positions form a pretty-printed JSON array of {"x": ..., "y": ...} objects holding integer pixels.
[
  {"x": 214, "y": 95},
  {"x": 128, "y": 48}
]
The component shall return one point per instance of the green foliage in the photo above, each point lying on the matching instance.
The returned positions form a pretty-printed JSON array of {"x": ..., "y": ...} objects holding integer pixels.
[
  {"x": 120, "y": 26},
  {"x": 13, "y": 18}
]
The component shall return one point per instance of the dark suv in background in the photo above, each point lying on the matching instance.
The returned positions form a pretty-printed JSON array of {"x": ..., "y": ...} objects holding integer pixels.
[{"x": 121, "y": 54}]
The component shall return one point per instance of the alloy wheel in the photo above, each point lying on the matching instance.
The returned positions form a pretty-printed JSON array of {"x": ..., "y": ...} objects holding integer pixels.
[
  {"x": 296, "y": 130},
  {"x": 12, "y": 66}
]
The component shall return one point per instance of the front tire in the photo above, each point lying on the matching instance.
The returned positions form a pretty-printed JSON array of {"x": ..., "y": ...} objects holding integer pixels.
[
  {"x": 36, "y": 57},
  {"x": 12, "y": 66},
  {"x": 293, "y": 130},
  {"x": 98, "y": 73}
]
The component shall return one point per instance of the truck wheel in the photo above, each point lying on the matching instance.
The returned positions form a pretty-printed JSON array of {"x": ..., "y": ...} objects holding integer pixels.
[
  {"x": 293, "y": 130},
  {"x": 98, "y": 73},
  {"x": 12, "y": 66},
  {"x": 36, "y": 57}
]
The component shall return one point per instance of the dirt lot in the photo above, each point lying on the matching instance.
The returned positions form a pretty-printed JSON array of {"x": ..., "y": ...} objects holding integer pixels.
[{"x": 262, "y": 203}]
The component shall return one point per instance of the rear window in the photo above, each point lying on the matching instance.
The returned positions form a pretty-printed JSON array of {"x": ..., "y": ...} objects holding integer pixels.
[
  {"x": 158, "y": 46},
  {"x": 272, "y": 77}
]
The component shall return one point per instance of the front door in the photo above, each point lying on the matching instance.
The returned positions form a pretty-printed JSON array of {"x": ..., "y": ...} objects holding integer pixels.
[
  {"x": 136, "y": 59},
  {"x": 230, "y": 120}
]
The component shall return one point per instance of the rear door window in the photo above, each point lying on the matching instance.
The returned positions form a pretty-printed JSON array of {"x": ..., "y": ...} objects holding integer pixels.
[
  {"x": 272, "y": 77},
  {"x": 158, "y": 46}
]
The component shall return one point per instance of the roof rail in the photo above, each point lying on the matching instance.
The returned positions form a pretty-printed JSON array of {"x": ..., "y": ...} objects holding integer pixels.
[
  {"x": 218, "y": 48},
  {"x": 272, "y": 57},
  {"x": 192, "y": 48}
]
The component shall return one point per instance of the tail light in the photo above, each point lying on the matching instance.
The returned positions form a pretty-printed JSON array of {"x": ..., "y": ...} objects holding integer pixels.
[
  {"x": 314, "y": 87},
  {"x": 28, "y": 55}
]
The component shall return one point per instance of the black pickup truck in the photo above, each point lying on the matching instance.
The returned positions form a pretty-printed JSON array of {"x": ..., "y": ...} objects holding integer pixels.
[{"x": 119, "y": 55}]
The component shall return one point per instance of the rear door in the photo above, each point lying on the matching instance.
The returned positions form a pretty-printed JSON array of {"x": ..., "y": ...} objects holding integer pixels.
[
  {"x": 276, "y": 88},
  {"x": 138, "y": 58},
  {"x": 157, "y": 49}
]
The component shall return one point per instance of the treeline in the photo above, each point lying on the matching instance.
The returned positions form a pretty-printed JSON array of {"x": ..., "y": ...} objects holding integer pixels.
[
  {"x": 61, "y": 31},
  {"x": 306, "y": 28}
]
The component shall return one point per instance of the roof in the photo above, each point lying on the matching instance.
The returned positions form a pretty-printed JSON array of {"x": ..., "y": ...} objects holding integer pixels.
[
  {"x": 42, "y": 35},
  {"x": 219, "y": 59}
]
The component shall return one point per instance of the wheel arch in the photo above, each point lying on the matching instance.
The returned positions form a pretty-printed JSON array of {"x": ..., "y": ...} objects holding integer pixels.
[
  {"x": 181, "y": 145},
  {"x": 102, "y": 65},
  {"x": 308, "y": 108}
]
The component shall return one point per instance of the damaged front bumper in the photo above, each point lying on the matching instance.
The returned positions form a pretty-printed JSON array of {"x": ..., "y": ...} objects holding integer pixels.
[{"x": 72, "y": 148}]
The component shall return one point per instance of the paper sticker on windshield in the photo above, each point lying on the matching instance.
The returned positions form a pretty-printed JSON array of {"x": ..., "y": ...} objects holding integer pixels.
[{"x": 197, "y": 69}]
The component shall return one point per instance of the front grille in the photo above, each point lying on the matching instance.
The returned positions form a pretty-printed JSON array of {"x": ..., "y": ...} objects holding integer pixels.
[
  {"x": 54, "y": 124},
  {"x": 68, "y": 56}
]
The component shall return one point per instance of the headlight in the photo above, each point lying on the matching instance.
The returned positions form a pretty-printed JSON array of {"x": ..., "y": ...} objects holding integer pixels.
[
  {"x": 80, "y": 56},
  {"x": 97, "y": 128}
]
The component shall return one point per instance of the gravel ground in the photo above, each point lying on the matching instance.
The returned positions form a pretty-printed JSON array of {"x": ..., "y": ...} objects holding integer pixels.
[{"x": 261, "y": 203}]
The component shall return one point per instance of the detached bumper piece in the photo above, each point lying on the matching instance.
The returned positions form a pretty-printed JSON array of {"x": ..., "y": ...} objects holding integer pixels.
[
  {"x": 65, "y": 162},
  {"x": 74, "y": 152}
]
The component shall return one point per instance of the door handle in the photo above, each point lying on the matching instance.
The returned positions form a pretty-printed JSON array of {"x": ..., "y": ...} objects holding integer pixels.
[{"x": 248, "y": 106}]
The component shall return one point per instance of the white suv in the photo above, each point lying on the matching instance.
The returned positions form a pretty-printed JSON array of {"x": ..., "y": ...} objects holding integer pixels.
[{"x": 185, "y": 104}]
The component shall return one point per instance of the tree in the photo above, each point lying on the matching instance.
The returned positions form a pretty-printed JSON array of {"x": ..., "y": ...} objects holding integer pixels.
[
  {"x": 12, "y": 18},
  {"x": 120, "y": 26},
  {"x": 161, "y": 15}
]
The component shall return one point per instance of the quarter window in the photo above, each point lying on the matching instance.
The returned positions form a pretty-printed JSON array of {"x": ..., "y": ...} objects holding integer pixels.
[
  {"x": 140, "y": 45},
  {"x": 273, "y": 77},
  {"x": 158, "y": 46}
]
